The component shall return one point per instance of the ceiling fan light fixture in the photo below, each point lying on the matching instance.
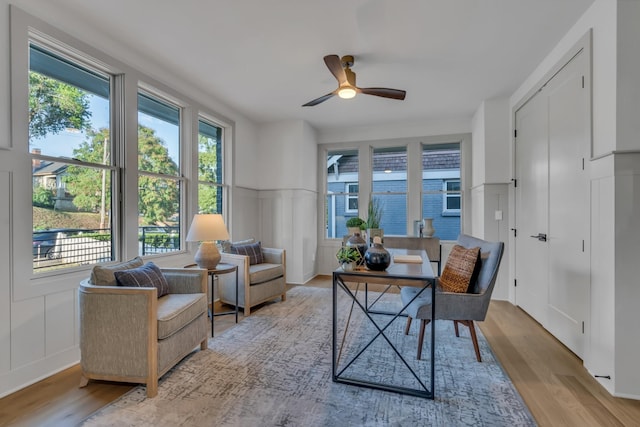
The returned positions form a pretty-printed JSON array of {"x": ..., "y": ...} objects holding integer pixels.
[
  {"x": 346, "y": 92},
  {"x": 347, "y": 88}
]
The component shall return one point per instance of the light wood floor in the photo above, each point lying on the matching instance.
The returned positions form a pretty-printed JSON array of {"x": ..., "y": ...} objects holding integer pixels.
[{"x": 551, "y": 380}]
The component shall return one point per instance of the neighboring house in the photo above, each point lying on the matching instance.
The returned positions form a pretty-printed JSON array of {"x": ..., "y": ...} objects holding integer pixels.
[
  {"x": 441, "y": 197},
  {"x": 49, "y": 175}
]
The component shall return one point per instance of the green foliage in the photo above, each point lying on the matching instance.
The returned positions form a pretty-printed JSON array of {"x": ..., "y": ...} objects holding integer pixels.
[
  {"x": 158, "y": 199},
  {"x": 43, "y": 198},
  {"x": 374, "y": 213},
  {"x": 159, "y": 240},
  {"x": 208, "y": 195},
  {"x": 208, "y": 199},
  {"x": 103, "y": 237},
  {"x": 55, "y": 106},
  {"x": 348, "y": 254},
  {"x": 84, "y": 183},
  {"x": 355, "y": 222}
]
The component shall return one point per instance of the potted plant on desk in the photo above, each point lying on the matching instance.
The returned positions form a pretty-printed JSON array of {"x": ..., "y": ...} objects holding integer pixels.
[
  {"x": 353, "y": 225},
  {"x": 374, "y": 217},
  {"x": 348, "y": 257}
]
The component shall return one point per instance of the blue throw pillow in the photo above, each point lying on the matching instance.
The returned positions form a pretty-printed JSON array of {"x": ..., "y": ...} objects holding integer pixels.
[{"x": 145, "y": 276}]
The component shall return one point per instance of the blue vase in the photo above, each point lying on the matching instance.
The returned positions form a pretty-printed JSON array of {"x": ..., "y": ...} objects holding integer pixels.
[{"x": 377, "y": 258}]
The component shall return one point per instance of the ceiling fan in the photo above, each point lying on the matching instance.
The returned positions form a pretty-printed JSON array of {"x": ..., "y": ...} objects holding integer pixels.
[{"x": 341, "y": 70}]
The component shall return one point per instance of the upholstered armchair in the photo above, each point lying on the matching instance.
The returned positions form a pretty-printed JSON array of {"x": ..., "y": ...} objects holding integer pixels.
[
  {"x": 461, "y": 307},
  {"x": 262, "y": 274},
  {"x": 128, "y": 334}
]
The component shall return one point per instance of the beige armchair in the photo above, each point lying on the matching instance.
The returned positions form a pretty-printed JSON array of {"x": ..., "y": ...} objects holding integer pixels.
[
  {"x": 257, "y": 283},
  {"x": 128, "y": 334}
]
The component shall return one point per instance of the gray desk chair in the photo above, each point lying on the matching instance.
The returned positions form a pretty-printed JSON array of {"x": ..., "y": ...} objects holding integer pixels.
[{"x": 464, "y": 308}]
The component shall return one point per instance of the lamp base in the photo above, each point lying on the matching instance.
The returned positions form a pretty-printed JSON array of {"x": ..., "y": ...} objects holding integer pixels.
[{"x": 207, "y": 256}]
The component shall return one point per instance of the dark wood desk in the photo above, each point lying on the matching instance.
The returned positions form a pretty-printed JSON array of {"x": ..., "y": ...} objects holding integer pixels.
[{"x": 401, "y": 274}]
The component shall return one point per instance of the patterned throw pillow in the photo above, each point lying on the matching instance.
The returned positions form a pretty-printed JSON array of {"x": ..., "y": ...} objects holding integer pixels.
[
  {"x": 143, "y": 277},
  {"x": 253, "y": 251},
  {"x": 461, "y": 270},
  {"x": 226, "y": 244}
]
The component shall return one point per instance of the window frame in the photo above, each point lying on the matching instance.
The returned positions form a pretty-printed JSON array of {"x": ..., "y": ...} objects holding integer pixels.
[
  {"x": 160, "y": 97},
  {"x": 330, "y": 198},
  {"x": 415, "y": 176},
  {"x": 123, "y": 117},
  {"x": 350, "y": 195},
  {"x": 220, "y": 185},
  {"x": 86, "y": 63},
  {"x": 450, "y": 194}
]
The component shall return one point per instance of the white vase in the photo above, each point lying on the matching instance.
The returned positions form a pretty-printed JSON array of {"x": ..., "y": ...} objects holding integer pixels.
[
  {"x": 347, "y": 266},
  {"x": 428, "y": 230}
]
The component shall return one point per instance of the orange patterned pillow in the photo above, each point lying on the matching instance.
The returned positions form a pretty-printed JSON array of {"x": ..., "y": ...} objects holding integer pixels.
[{"x": 460, "y": 272}]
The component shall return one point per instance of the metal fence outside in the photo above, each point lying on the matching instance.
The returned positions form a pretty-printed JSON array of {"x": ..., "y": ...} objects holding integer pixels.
[{"x": 54, "y": 249}]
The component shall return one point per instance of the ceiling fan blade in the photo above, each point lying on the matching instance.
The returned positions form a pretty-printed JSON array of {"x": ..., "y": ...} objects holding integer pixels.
[
  {"x": 335, "y": 66},
  {"x": 383, "y": 92},
  {"x": 319, "y": 100}
]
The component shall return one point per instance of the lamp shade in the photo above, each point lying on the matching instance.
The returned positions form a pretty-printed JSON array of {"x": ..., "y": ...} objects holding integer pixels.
[{"x": 206, "y": 228}]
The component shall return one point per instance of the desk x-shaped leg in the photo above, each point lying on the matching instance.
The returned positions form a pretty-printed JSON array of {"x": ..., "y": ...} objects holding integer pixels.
[{"x": 424, "y": 391}]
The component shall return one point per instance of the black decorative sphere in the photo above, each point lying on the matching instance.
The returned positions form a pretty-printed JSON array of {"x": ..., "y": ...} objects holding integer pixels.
[{"x": 377, "y": 258}]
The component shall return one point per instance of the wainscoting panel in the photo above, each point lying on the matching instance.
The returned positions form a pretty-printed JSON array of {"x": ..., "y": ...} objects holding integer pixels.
[
  {"x": 5, "y": 272},
  {"x": 27, "y": 331},
  {"x": 61, "y": 328}
]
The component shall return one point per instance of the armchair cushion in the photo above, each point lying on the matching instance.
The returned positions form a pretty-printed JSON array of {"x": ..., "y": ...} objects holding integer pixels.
[
  {"x": 177, "y": 310},
  {"x": 252, "y": 250},
  {"x": 461, "y": 270},
  {"x": 144, "y": 276},
  {"x": 261, "y": 273},
  {"x": 102, "y": 275}
]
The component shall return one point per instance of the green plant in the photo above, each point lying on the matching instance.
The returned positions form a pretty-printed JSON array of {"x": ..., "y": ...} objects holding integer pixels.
[
  {"x": 374, "y": 213},
  {"x": 355, "y": 222},
  {"x": 43, "y": 198},
  {"x": 348, "y": 254}
]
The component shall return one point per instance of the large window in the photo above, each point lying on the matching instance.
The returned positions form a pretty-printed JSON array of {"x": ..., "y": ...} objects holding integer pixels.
[
  {"x": 389, "y": 188},
  {"x": 73, "y": 171},
  {"x": 341, "y": 199},
  {"x": 441, "y": 189},
  {"x": 109, "y": 178},
  {"x": 210, "y": 172},
  {"x": 159, "y": 178},
  {"x": 409, "y": 179}
]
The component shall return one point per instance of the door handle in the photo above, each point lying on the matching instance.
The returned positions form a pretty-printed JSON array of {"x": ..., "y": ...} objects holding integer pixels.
[{"x": 541, "y": 237}]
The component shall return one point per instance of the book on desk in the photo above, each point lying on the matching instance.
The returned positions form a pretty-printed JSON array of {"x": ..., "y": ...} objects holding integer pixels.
[{"x": 402, "y": 258}]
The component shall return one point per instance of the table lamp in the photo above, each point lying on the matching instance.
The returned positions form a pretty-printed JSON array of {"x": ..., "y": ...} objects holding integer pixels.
[{"x": 206, "y": 228}]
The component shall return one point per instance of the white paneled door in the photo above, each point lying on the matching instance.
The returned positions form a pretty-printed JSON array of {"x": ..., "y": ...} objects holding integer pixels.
[
  {"x": 532, "y": 208},
  {"x": 552, "y": 204}
]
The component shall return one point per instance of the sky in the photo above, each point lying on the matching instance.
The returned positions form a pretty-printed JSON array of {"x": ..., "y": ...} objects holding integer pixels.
[{"x": 63, "y": 143}]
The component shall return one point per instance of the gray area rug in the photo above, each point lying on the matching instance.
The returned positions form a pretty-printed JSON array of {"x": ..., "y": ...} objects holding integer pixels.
[{"x": 274, "y": 369}]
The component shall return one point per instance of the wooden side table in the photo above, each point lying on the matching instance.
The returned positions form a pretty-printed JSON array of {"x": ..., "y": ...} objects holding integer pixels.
[{"x": 221, "y": 268}]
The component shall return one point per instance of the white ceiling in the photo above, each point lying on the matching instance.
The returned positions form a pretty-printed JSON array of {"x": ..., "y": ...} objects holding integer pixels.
[{"x": 264, "y": 57}]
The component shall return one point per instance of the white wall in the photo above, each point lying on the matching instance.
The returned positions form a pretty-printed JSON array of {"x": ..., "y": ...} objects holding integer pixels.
[
  {"x": 613, "y": 339},
  {"x": 288, "y": 194},
  {"x": 396, "y": 130},
  {"x": 491, "y": 172}
]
